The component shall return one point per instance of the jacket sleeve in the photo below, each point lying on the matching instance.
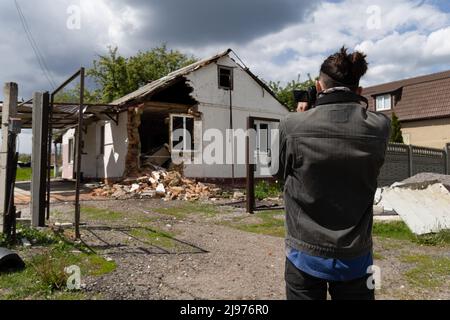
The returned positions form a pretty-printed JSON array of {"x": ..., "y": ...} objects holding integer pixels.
[{"x": 281, "y": 174}]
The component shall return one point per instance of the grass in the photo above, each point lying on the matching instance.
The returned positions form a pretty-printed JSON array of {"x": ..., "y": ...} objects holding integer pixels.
[
  {"x": 184, "y": 210},
  {"x": 155, "y": 237},
  {"x": 271, "y": 224},
  {"x": 428, "y": 271},
  {"x": 44, "y": 276},
  {"x": 24, "y": 174},
  {"x": 101, "y": 214},
  {"x": 400, "y": 231}
]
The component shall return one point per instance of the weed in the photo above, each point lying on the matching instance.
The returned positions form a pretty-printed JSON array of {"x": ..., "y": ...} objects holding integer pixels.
[
  {"x": 399, "y": 230},
  {"x": 429, "y": 272}
]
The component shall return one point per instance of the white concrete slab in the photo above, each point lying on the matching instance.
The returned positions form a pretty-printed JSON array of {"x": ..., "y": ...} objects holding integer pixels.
[{"x": 424, "y": 211}]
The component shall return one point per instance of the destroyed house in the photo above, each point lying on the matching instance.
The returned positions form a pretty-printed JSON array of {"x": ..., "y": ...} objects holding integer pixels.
[
  {"x": 216, "y": 93},
  {"x": 422, "y": 105}
]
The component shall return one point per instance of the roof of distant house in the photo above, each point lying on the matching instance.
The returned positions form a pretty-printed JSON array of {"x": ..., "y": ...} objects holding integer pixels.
[{"x": 424, "y": 97}]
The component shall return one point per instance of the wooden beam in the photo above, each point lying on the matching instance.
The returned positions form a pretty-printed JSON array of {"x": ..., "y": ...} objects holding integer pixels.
[{"x": 166, "y": 106}]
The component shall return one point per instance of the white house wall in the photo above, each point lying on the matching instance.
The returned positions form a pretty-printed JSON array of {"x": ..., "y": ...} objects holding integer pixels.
[
  {"x": 248, "y": 99},
  {"x": 92, "y": 163},
  {"x": 67, "y": 169}
]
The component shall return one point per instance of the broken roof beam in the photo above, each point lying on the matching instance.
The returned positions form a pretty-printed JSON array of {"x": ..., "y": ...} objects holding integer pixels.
[{"x": 165, "y": 106}]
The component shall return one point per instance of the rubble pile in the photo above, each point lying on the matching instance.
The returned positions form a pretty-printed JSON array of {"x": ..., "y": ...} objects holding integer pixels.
[{"x": 169, "y": 185}]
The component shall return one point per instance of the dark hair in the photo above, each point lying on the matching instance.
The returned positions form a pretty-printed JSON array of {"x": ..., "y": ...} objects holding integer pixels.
[{"x": 343, "y": 69}]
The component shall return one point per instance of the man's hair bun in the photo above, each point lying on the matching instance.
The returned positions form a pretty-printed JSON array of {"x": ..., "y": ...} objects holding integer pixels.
[{"x": 343, "y": 68}]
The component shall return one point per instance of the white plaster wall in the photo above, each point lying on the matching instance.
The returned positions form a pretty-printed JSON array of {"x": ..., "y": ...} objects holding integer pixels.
[
  {"x": 67, "y": 167},
  {"x": 92, "y": 163},
  {"x": 116, "y": 148},
  {"x": 248, "y": 99}
]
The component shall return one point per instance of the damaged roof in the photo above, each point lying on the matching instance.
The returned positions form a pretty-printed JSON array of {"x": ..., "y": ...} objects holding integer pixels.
[
  {"x": 171, "y": 78},
  {"x": 418, "y": 98}
]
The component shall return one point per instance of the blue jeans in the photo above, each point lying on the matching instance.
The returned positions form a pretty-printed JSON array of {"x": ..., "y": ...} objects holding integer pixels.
[{"x": 302, "y": 286}]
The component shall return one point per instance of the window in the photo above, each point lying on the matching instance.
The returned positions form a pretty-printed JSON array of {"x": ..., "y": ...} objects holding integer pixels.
[
  {"x": 182, "y": 133},
  {"x": 383, "y": 102},
  {"x": 102, "y": 140},
  {"x": 263, "y": 142},
  {"x": 225, "y": 78},
  {"x": 71, "y": 151}
]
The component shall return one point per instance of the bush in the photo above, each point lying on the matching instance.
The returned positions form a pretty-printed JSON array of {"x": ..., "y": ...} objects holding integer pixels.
[{"x": 265, "y": 190}]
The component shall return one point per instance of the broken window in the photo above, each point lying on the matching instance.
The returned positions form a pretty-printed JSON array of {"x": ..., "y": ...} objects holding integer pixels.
[
  {"x": 102, "y": 140},
  {"x": 225, "y": 78},
  {"x": 182, "y": 133}
]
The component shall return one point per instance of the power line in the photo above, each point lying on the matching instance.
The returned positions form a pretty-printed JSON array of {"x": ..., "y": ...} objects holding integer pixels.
[{"x": 41, "y": 60}]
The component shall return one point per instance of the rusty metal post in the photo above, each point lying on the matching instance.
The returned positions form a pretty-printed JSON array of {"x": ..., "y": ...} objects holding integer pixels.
[{"x": 79, "y": 153}]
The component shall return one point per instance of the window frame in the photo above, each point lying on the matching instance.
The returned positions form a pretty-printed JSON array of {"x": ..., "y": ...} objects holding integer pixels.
[
  {"x": 185, "y": 150},
  {"x": 219, "y": 69},
  {"x": 384, "y": 107},
  {"x": 71, "y": 146}
]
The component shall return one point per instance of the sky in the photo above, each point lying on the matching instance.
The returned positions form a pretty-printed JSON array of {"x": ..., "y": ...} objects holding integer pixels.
[{"x": 279, "y": 40}]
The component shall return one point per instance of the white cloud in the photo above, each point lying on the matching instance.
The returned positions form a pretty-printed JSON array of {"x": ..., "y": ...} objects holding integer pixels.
[{"x": 412, "y": 39}]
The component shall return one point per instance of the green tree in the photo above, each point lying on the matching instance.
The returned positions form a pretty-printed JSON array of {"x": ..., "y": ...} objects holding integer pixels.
[
  {"x": 73, "y": 96},
  {"x": 284, "y": 93},
  {"x": 396, "y": 128},
  {"x": 117, "y": 76}
]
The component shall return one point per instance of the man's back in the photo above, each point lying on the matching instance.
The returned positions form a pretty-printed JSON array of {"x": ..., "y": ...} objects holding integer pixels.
[{"x": 331, "y": 157}]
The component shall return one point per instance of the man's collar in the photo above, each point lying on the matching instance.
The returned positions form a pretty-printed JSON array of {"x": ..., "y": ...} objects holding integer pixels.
[{"x": 337, "y": 95}]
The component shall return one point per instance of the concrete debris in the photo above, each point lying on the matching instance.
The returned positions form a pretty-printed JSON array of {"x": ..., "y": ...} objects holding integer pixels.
[
  {"x": 423, "y": 205},
  {"x": 26, "y": 243},
  {"x": 169, "y": 185}
]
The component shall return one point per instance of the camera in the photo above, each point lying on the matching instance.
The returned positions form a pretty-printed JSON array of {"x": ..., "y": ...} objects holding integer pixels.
[{"x": 309, "y": 96}]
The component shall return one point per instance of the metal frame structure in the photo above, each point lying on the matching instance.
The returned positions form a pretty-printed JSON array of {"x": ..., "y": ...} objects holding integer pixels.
[
  {"x": 250, "y": 166},
  {"x": 62, "y": 116},
  {"x": 81, "y": 74}
]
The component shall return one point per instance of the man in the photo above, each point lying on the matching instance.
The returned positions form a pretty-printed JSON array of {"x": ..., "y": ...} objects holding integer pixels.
[{"x": 330, "y": 159}]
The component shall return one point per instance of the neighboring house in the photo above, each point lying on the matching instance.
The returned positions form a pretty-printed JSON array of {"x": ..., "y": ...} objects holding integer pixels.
[
  {"x": 196, "y": 98},
  {"x": 422, "y": 105}
]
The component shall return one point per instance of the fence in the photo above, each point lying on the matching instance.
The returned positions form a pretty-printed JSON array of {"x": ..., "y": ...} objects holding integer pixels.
[{"x": 404, "y": 161}]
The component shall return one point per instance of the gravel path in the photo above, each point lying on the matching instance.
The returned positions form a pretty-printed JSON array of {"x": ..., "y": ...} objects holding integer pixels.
[{"x": 208, "y": 260}]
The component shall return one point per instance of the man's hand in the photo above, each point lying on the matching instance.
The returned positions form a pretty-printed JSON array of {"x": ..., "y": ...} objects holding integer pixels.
[{"x": 302, "y": 106}]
